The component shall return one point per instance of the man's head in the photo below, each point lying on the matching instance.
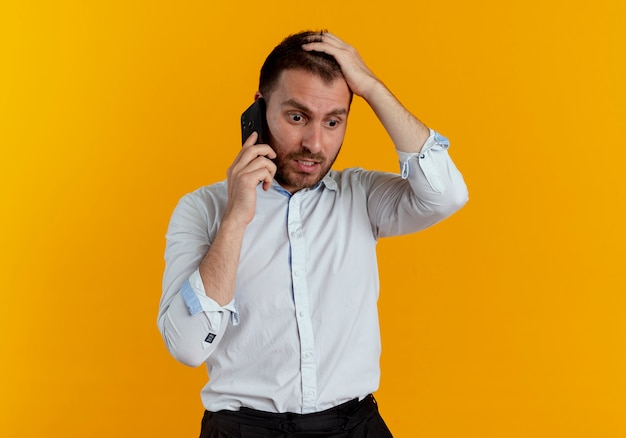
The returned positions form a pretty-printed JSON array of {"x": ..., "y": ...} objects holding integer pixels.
[
  {"x": 308, "y": 101},
  {"x": 289, "y": 55}
]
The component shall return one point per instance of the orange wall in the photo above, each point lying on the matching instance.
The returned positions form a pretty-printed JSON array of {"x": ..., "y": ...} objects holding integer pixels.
[{"x": 505, "y": 321}]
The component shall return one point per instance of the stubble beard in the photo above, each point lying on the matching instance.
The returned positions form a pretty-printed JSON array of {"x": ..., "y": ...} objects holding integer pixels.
[{"x": 289, "y": 177}]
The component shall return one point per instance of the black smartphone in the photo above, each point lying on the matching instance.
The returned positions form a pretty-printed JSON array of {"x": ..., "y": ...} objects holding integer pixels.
[{"x": 253, "y": 119}]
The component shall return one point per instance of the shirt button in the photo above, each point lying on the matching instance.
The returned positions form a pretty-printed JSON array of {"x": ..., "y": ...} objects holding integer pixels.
[
  {"x": 308, "y": 355},
  {"x": 296, "y": 273}
]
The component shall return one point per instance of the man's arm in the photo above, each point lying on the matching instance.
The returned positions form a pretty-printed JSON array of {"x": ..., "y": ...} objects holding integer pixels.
[
  {"x": 406, "y": 131},
  {"x": 431, "y": 188},
  {"x": 218, "y": 268},
  {"x": 192, "y": 324}
]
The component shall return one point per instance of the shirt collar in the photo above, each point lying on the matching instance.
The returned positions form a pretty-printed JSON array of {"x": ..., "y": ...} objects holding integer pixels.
[{"x": 327, "y": 181}]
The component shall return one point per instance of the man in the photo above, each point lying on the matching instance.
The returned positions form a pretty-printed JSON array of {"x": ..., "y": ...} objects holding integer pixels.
[{"x": 271, "y": 276}]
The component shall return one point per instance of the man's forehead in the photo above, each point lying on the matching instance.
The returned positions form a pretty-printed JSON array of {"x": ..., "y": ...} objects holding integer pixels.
[
  {"x": 338, "y": 110},
  {"x": 296, "y": 87},
  {"x": 292, "y": 72}
]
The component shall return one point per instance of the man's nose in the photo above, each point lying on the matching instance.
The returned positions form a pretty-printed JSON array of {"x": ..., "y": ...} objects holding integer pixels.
[{"x": 312, "y": 138}]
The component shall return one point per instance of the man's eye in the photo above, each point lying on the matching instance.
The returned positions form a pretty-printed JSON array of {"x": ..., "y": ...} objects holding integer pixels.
[
  {"x": 295, "y": 117},
  {"x": 333, "y": 123}
]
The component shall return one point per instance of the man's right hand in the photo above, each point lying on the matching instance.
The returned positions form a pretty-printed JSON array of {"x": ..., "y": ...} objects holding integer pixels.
[{"x": 251, "y": 167}]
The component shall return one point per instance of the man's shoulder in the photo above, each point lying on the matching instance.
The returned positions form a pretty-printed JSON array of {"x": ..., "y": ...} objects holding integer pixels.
[
  {"x": 345, "y": 175},
  {"x": 214, "y": 190},
  {"x": 349, "y": 177},
  {"x": 216, "y": 187},
  {"x": 206, "y": 197}
]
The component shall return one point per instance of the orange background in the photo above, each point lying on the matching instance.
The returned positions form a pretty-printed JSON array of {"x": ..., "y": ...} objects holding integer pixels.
[{"x": 507, "y": 320}]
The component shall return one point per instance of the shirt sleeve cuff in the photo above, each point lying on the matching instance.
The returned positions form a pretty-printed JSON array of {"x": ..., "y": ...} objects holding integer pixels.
[
  {"x": 197, "y": 301},
  {"x": 435, "y": 142}
]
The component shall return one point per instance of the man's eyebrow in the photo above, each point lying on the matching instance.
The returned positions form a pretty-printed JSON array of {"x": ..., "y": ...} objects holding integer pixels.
[{"x": 300, "y": 106}]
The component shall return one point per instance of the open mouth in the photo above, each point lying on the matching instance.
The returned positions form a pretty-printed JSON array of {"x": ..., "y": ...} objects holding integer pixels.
[{"x": 307, "y": 165}]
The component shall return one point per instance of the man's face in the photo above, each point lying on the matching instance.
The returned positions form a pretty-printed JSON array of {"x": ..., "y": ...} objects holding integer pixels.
[{"x": 307, "y": 121}]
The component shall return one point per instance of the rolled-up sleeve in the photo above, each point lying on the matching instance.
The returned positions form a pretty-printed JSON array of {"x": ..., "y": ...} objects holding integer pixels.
[
  {"x": 430, "y": 189},
  {"x": 191, "y": 323}
]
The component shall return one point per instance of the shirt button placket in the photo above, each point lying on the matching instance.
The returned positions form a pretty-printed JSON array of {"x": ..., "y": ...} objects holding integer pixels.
[{"x": 301, "y": 302}]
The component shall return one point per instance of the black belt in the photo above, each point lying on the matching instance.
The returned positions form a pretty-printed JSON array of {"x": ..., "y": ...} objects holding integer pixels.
[{"x": 342, "y": 417}]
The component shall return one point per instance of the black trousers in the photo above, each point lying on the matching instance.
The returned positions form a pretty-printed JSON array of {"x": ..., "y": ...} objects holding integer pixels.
[{"x": 354, "y": 419}]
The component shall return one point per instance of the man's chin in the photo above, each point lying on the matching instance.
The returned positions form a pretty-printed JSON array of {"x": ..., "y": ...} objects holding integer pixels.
[{"x": 298, "y": 182}]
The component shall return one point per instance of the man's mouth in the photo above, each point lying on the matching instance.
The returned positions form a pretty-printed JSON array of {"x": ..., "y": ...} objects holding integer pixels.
[{"x": 307, "y": 165}]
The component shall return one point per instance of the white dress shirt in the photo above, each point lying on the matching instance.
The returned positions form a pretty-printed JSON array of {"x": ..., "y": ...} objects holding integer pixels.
[{"x": 301, "y": 334}]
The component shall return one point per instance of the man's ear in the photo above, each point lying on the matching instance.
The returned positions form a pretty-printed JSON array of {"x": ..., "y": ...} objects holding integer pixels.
[{"x": 257, "y": 95}]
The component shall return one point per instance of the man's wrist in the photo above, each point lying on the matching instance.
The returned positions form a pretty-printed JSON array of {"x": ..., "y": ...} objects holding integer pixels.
[
  {"x": 233, "y": 225},
  {"x": 373, "y": 89}
]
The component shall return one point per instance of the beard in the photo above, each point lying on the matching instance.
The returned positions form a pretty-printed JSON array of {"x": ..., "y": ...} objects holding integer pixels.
[{"x": 292, "y": 179}]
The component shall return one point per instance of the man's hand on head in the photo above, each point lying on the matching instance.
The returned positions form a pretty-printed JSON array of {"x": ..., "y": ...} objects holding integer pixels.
[{"x": 359, "y": 77}]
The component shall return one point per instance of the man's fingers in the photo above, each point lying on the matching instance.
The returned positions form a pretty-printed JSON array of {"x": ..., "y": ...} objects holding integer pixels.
[
  {"x": 250, "y": 151},
  {"x": 261, "y": 171},
  {"x": 324, "y": 41},
  {"x": 251, "y": 140},
  {"x": 253, "y": 164},
  {"x": 262, "y": 167},
  {"x": 259, "y": 149},
  {"x": 261, "y": 162}
]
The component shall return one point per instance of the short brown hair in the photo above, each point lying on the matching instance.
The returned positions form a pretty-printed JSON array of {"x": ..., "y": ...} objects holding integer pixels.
[{"x": 289, "y": 55}]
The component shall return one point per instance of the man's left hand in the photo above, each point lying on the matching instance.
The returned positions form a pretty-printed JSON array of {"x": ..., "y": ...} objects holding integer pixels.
[{"x": 358, "y": 76}]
